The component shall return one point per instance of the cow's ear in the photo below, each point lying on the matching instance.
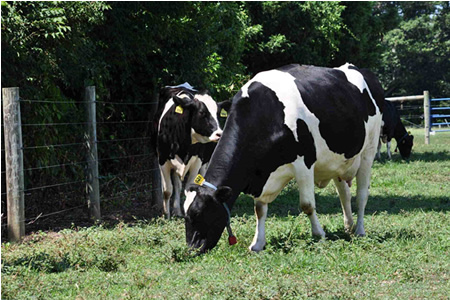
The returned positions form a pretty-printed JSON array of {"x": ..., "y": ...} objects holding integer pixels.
[
  {"x": 192, "y": 188},
  {"x": 223, "y": 193},
  {"x": 183, "y": 100},
  {"x": 225, "y": 105}
]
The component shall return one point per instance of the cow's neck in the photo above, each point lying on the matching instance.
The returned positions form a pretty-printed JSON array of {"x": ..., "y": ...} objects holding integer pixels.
[
  {"x": 225, "y": 168},
  {"x": 399, "y": 132}
]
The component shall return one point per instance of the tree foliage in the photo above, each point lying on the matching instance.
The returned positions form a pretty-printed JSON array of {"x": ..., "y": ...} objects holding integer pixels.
[
  {"x": 416, "y": 52},
  {"x": 129, "y": 50}
]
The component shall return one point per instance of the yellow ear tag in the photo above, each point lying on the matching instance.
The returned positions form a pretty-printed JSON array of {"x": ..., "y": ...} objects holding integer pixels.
[
  {"x": 223, "y": 113},
  {"x": 199, "y": 179},
  {"x": 179, "y": 110}
]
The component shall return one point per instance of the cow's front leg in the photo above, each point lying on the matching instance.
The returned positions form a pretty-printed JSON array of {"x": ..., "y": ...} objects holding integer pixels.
[
  {"x": 388, "y": 148},
  {"x": 345, "y": 196},
  {"x": 362, "y": 192},
  {"x": 305, "y": 181},
  {"x": 259, "y": 240},
  {"x": 167, "y": 188},
  {"x": 378, "y": 156},
  {"x": 177, "y": 184}
]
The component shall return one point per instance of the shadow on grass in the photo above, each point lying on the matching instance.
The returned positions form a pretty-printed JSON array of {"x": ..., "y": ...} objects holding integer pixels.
[
  {"x": 422, "y": 156},
  {"x": 294, "y": 240},
  {"x": 330, "y": 204}
]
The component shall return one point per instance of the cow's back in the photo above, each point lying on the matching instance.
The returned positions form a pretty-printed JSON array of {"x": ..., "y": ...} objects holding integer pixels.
[{"x": 327, "y": 116}]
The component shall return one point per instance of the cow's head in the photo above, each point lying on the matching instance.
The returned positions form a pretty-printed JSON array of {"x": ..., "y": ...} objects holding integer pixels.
[
  {"x": 206, "y": 216},
  {"x": 203, "y": 109},
  {"x": 223, "y": 109},
  {"x": 405, "y": 145}
]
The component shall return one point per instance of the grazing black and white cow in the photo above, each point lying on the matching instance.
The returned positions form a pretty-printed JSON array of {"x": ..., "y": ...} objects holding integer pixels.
[
  {"x": 393, "y": 128},
  {"x": 185, "y": 117},
  {"x": 310, "y": 123}
]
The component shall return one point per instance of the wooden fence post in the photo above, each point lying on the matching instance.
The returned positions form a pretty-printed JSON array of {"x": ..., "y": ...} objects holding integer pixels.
[
  {"x": 14, "y": 164},
  {"x": 426, "y": 116},
  {"x": 92, "y": 185}
]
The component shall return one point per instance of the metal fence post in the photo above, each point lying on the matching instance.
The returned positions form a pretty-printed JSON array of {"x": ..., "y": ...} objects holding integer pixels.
[
  {"x": 92, "y": 185},
  {"x": 426, "y": 115},
  {"x": 14, "y": 164}
]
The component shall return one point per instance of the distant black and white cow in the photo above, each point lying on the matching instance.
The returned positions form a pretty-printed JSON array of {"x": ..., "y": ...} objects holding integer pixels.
[
  {"x": 393, "y": 128},
  {"x": 310, "y": 123},
  {"x": 185, "y": 117}
]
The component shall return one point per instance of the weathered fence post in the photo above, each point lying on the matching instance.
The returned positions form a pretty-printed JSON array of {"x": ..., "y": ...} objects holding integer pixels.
[
  {"x": 92, "y": 185},
  {"x": 426, "y": 116},
  {"x": 14, "y": 164}
]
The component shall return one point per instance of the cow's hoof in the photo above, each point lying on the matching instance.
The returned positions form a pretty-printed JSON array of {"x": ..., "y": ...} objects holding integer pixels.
[
  {"x": 360, "y": 233},
  {"x": 179, "y": 216},
  {"x": 349, "y": 229},
  {"x": 256, "y": 248}
]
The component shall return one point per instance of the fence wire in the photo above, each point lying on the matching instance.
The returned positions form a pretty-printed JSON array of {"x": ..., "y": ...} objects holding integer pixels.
[{"x": 62, "y": 187}]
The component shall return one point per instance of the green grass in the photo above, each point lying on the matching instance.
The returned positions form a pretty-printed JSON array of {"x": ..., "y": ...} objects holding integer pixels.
[{"x": 405, "y": 254}]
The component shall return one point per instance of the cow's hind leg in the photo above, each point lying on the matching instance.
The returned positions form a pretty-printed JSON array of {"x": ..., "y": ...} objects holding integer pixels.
[
  {"x": 305, "y": 181},
  {"x": 259, "y": 240},
  {"x": 362, "y": 191},
  {"x": 345, "y": 196}
]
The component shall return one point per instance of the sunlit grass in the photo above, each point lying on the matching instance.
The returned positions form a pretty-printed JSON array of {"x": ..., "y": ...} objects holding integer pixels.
[{"x": 405, "y": 254}]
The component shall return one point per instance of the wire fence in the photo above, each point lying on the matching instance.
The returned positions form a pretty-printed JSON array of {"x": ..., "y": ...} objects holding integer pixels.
[{"x": 55, "y": 160}]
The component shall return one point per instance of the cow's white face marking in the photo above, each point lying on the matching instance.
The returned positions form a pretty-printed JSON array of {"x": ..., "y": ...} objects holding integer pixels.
[
  {"x": 211, "y": 105},
  {"x": 190, "y": 196}
]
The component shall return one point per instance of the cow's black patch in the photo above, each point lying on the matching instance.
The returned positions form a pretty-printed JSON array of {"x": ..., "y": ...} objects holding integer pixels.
[
  {"x": 306, "y": 143},
  {"x": 258, "y": 141},
  {"x": 375, "y": 88},
  {"x": 174, "y": 135},
  {"x": 337, "y": 104},
  {"x": 203, "y": 151}
]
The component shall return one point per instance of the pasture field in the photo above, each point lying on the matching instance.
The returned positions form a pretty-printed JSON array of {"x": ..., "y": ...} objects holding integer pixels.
[{"x": 404, "y": 256}]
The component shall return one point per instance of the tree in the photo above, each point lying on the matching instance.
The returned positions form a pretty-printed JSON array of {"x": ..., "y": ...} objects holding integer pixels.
[
  {"x": 292, "y": 32},
  {"x": 415, "y": 56}
]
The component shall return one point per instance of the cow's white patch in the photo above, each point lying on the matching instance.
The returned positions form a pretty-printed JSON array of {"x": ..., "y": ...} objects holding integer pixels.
[
  {"x": 190, "y": 196},
  {"x": 211, "y": 105},
  {"x": 275, "y": 183},
  {"x": 168, "y": 105},
  {"x": 357, "y": 79},
  {"x": 283, "y": 84},
  {"x": 259, "y": 240}
]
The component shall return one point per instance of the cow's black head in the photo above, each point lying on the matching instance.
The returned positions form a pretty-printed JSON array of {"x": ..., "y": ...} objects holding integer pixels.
[
  {"x": 206, "y": 216},
  {"x": 405, "y": 145},
  {"x": 223, "y": 109},
  {"x": 204, "y": 121}
]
